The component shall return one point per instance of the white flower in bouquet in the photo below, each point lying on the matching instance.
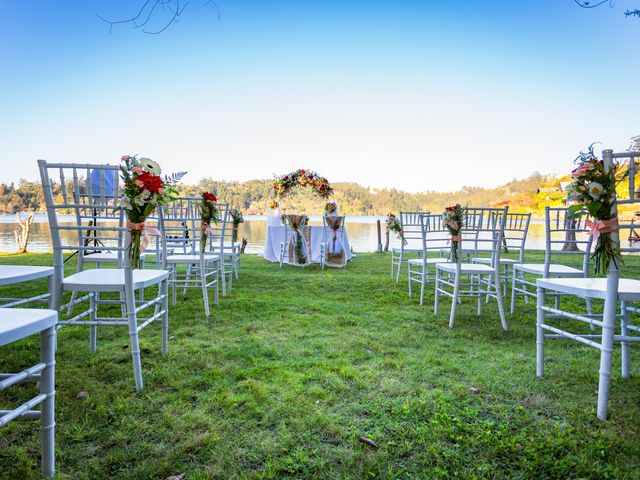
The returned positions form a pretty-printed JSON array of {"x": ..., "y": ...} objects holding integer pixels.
[
  {"x": 596, "y": 190},
  {"x": 126, "y": 203},
  {"x": 150, "y": 166}
]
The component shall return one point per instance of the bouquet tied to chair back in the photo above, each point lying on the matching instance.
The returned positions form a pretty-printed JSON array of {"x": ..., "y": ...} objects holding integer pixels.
[
  {"x": 393, "y": 225},
  {"x": 144, "y": 190},
  {"x": 453, "y": 219},
  {"x": 593, "y": 188},
  {"x": 208, "y": 213},
  {"x": 236, "y": 219}
]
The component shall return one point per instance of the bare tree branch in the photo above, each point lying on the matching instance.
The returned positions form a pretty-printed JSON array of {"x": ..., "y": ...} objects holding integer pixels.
[
  {"x": 149, "y": 11},
  {"x": 584, "y": 4}
]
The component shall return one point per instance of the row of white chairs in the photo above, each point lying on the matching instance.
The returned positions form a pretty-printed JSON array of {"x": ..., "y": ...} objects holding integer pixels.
[{"x": 564, "y": 237}]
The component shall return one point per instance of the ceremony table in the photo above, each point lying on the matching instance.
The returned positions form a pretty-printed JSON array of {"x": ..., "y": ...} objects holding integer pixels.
[{"x": 275, "y": 236}]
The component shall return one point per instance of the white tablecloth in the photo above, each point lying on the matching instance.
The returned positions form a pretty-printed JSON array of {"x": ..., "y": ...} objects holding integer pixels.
[{"x": 275, "y": 236}]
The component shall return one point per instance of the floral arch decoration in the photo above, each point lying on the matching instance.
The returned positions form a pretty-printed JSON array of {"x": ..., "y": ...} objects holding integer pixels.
[{"x": 283, "y": 184}]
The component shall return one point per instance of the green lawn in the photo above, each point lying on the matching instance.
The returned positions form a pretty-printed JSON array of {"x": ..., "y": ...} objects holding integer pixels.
[{"x": 297, "y": 364}]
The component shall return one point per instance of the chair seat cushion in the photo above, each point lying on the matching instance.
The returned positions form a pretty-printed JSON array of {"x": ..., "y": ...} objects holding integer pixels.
[
  {"x": 554, "y": 269},
  {"x": 17, "y": 323},
  {"x": 466, "y": 268},
  {"x": 628, "y": 289},
  {"x": 111, "y": 280},
  {"x": 192, "y": 258},
  {"x": 406, "y": 250}
]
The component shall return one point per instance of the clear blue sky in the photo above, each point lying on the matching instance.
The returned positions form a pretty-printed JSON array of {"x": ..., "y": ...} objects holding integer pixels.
[{"x": 417, "y": 95}]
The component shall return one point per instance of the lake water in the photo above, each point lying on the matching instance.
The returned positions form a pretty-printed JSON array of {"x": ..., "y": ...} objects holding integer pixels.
[{"x": 361, "y": 230}]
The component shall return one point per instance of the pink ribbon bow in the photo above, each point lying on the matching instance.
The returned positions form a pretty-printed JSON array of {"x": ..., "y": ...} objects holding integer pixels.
[
  {"x": 141, "y": 227},
  {"x": 602, "y": 226}
]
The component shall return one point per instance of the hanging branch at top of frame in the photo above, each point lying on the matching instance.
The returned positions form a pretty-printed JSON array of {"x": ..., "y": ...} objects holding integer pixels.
[
  {"x": 597, "y": 3},
  {"x": 155, "y": 16}
]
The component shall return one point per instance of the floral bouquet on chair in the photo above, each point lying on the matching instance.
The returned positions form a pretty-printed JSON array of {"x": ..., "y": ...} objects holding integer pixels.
[
  {"x": 144, "y": 190},
  {"x": 393, "y": 225},
  {"x": 236, "y": 219},
  {"x": 209, "y": 213},
  {"x": 453, "y": 218},
  {"x": 594, "y": 190}
]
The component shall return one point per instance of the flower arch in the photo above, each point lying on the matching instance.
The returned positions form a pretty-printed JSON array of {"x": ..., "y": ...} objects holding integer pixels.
[{"x": 283, "y": 184}]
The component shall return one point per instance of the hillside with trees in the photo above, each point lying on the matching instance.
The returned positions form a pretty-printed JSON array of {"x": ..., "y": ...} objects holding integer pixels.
[{"x": 252, "y": 197}]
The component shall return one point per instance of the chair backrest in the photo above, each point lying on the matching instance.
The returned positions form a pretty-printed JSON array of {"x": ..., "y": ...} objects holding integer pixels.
[
  {"x": 69, "y": 188},
  {"x": 516, "y": 229},
  {"x": 435, "y": 236},
  {"x": 482, "y": 233},
  {"x": 288, "y": 231},
  {"x": 629, "y": 226},
  {"x": 327, "y": 230},
  {"x": 182, "y": 221},
  {"x": 411, "y": 228},
  {"x": 565, "y": 236}
]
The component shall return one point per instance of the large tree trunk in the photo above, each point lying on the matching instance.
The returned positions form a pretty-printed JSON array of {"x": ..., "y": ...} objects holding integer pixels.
[{"x": 22, "y": 236}]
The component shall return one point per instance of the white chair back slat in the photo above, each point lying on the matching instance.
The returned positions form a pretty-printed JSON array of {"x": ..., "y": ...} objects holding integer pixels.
[
  {"x": 560, "y": 231},
  {"x": 411, "y": 226}
]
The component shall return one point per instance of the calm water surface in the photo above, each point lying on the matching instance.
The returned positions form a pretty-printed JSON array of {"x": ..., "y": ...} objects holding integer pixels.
[{"x": 361, "y": 230}]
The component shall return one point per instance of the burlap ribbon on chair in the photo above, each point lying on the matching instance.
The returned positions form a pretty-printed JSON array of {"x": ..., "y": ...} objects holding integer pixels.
[
  {"x": 335, "y": 252},
  {"x": 301, "y": 237}
]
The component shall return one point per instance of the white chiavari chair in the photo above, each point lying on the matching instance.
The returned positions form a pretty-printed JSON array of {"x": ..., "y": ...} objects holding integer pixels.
[
  {"x": 193, "y": 264},
  {"x": 435, "y": 237},
  {"x": 410, "y": 244},
  {"x": 516, "y": 229},
  {"x": 616, "y": 292},
  {"x": 486, "y": 226},
  {"x": 332, "y": 250},
  {"x": 16, "y": 324},
  {"x": 564, "y": 237},
  {"x": 108, "y": 226}
]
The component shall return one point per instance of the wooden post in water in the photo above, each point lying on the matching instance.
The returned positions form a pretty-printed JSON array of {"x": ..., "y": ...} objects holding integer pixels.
[{"x": 379, "y": 249}]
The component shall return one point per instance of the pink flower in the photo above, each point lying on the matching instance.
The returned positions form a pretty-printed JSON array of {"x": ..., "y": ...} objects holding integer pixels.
[
  {"x": 124, "y": 158},
  {"x": 139, "y": 183},
  {"x": 137, "y": 170}
]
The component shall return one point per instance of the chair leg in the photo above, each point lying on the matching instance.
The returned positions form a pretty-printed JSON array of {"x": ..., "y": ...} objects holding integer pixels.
[
  {"x": 186, "y": 281},
  {"x": 625, "y": 346},
  {"x": 409, "y": 280},
  {"x": 222, "y": 275},
  {"x": 540, "y": 333},
  {"x": 165, "y": 317},
  {"x": 93, "y": 329},
  {"x": 514, "y": 284},
  {"x": 74, "y": 295},
  {"x": 47, "y": 415},
  {"x": 399, "y": 267},
  {"x": 174, "y": 279},
  {"x": 454, "y": 301},
  {"x": 205, "y": 293},
  {"x": 479, "y": 299},
  {"x": 133, "y": 338},
  {"x": 606, "y": 347},
  {"x": 437, "y": 297},
  {"x": 498, "y": 289},
  {"x": 216, "y": 294}
]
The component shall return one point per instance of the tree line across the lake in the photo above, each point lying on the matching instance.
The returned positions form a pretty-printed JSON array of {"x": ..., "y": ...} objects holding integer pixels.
[{"x": 531, "y": 194}]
